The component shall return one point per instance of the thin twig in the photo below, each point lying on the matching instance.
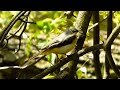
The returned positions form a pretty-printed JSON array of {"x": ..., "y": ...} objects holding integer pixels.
[
  {"x": 10, "y": 67},
  {"x": 25, "y": 25},
  {"x": 31, "y": 61},
  {"x": 98, "y": 22},
  {"x": 27, "y": 21},
  {"x": 10, "y": 25},
  {"x": 16, "y": 31}
]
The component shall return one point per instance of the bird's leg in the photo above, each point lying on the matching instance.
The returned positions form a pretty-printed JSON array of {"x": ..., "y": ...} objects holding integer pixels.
[
  {"x": 56, "y": 61},
  {"x": 64, "y": 56},
  {"x": 58, "y": 58}
]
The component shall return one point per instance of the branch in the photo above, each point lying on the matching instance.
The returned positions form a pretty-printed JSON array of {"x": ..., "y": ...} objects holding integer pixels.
[
  {"x": 25, "y": 25},
  {"x": 89, "y": 49},
  {"x": 31, "y": 61},
  {"x": 108, "y": 44},
  {"x": 54, "y": 67},
  {"x": 12, "y": 35},
  {"x": 81, "y": 24},
  {"x": 10, "y": 25},
  {"x": 10, "y": 67},
  {"x": 27, "y": 21},
  {"x": 96, "y": 24},
  {"x": 112, "y": 36},
  {"x": 96, "y": 40},
  {"x": 69, "y": 14},
  {"x": 109, "y": 30},
  {"x": 63, "y": 74},
  {"x": 66, "y": 60},
  {"x": 34, "y": 59}
]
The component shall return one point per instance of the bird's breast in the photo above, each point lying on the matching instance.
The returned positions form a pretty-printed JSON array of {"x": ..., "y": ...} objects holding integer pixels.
[{"x": 64, "y": 49}]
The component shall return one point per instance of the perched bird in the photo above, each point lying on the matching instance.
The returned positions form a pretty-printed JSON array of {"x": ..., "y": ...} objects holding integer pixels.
[{"x": 62, "y": 44}]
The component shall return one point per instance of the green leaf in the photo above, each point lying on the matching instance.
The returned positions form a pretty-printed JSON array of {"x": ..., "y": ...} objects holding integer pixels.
[
  {"x": 40, "y": 24},
  {"x": 48, "y": 77},
  {"x": 47, "y": 20},
  {"x": 51, "y": 58},
  {"x": 79, "y": 73},
  {"x": 47, "y": 27},
  {"x": 82, "y": 72}
]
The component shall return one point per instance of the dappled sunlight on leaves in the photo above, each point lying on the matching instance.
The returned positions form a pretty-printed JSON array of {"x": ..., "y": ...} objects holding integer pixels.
[{"x": 46, "y": 26}]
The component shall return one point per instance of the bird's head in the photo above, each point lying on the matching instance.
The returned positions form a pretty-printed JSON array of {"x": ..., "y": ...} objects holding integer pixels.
[{"x": 74, "y": 30}]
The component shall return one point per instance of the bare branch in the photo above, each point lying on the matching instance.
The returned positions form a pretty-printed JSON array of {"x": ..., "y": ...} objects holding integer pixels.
[
  {"x": 108, "y": 44},
  {"x": 89, "y": 49},
  {"x": 96, "y": 40},
  {"x": 25, "y": 25},
  {"x": 10, "y": 25},
  {"x": 32, "y": 61},
  {"x": 12, "y": 35},
  {"x": 66, "y": 60},
  {"x": 96, "y": 24},
  {"x": 109, "y": 30},
  {"x": 27, "y": 21}
]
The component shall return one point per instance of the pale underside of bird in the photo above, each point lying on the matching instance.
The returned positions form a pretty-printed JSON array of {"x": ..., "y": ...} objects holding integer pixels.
[{"x": 62, "y": 44}]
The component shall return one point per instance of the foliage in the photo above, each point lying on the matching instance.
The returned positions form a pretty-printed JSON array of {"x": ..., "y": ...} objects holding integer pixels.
[{"x": 48, "y": 25}]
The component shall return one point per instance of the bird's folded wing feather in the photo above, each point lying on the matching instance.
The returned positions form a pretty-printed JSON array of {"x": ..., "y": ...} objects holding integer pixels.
[{"x": 67, "y": 40}]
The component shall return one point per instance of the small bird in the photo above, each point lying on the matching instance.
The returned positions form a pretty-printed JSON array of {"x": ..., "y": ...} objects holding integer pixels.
[{"x": 62, "y": 44}]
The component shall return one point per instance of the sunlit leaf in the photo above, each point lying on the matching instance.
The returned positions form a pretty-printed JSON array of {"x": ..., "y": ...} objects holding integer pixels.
[
  {"x": 51, "y": 58},
  {"x": 79, "y": 73},
  {"x": 40, "y": 24},
  {"x": 48, "y": 77}
]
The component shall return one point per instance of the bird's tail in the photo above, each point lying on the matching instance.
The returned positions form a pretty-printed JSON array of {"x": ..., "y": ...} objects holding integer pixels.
[{"x": 31, "y": 59}]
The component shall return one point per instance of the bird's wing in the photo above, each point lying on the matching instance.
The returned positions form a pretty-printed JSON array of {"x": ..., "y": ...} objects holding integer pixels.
[
  {"x": 67, "y": 40},
  {"x": 48, "y": 46},
  {"x": 55, "y": 40}
]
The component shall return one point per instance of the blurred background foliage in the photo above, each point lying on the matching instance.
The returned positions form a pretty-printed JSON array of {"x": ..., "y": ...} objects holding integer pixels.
[{"x": 48, "y": 25}]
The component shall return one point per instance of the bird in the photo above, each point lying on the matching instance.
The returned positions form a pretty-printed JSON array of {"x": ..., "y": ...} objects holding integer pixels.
[{"x": 62, "y": 44}]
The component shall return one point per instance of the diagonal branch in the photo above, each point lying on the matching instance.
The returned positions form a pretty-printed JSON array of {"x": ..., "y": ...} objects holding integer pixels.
[
  {"x": 98, "y": 23},
  {"x": 10, "y": 25},
  {"x": 25, "y": 25},
  {"x": 57, "y": 65},
  {"x": 108, "y": 44},
  {"x": 66, "y": 60}
]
